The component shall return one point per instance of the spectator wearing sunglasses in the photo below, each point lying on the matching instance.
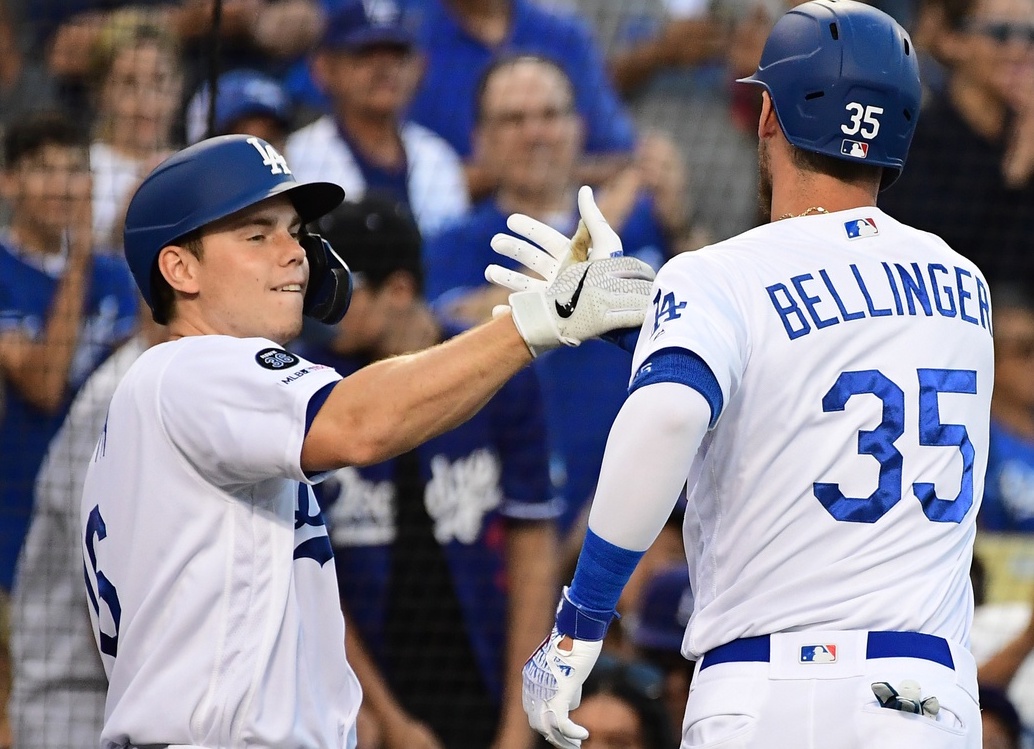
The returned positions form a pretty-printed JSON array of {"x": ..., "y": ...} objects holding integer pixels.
[{"x": 970, "y": 175}]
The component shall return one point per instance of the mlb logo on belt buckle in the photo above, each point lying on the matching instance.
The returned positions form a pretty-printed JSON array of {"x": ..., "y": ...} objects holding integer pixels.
[{"x": 819, "y": 653}]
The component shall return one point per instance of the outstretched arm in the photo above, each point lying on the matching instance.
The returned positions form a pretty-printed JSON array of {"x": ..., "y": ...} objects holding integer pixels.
[{"x": 396, "y": 404}]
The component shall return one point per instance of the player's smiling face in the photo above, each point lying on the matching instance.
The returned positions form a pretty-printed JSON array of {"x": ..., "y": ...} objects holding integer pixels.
[{"x": 252, "y": 274}]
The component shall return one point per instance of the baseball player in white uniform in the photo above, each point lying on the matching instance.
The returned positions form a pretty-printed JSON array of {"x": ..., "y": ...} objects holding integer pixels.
[
  {"x": 215, "y": 609},
  {"x": 822, "y": 384}
]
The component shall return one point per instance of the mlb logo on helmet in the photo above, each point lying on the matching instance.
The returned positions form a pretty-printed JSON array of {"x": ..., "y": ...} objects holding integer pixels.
[
  {"x": 862, "y": 227},
  {"x": 819, "y": 653},
  {"x": 854, "y": 148}
]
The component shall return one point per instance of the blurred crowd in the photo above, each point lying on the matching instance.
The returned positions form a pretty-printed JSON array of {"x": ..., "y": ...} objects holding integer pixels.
[{"x": 440, "y": 118}]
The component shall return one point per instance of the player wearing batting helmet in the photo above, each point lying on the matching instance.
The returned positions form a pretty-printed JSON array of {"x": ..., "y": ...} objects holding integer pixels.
[
  {"x": 821, "y": 385},
  {"x": 214, "y": 607}
]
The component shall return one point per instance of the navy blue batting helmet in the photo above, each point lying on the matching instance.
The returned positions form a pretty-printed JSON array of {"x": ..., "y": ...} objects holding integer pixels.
[
  {"x": 214, "y": 179},
  {"x": 844, "y": 82}
]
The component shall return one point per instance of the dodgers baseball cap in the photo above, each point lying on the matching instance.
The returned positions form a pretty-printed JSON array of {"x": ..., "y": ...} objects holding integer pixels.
[
  {"x": 360, "y": 25},
  {"x": 239, "y": 93},
  {"x": 664, "y": 610}
]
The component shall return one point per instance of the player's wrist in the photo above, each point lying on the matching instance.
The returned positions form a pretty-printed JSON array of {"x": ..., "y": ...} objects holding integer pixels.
[
  {"x": 581, "y": 622},
  {"x": 532, "y": 317}
]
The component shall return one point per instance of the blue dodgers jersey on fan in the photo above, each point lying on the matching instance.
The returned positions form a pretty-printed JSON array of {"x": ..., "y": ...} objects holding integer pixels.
[
  {"x": 1009, "y": 486},
  {"x": 26, "y": 295},
  {"x": 486, "y": 470},
  {"x": 583, "y": 387}
]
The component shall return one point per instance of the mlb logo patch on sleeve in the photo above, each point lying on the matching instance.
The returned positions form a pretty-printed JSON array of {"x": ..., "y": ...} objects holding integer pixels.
[
  {"x": 854, "y": 148},
  {"x": 862, "y": 227},
  {"x": 819, "y": 653}
]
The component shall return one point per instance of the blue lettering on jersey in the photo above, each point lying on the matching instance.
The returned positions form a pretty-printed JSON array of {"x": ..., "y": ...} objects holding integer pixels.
[
  {"x": 813, "y": 301},
  {"x": 880, "y": 444},
  {"x": 97, "y": 529},
  {"x": 667, "y": 308},
  {"x": 314, "y": 546},
  {"x": 786, "y": 306}
]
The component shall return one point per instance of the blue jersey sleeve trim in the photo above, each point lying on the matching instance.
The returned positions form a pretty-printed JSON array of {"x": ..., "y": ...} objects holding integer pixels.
[
  {"x": 602, "y": 572},
  {"x": 682, "y": 366},
  {"x": 316, "y": 403}
]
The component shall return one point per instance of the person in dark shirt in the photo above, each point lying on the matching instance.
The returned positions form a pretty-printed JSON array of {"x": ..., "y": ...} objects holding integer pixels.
[{"x": 970, "y": 166}]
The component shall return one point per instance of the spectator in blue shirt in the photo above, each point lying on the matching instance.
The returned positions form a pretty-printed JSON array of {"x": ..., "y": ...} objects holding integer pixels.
[
  {"x": 446, "y": 556},
  {"x": 461, "y": 38},
  {"x": 63, "y": 309},
  {"x": 529, "y": 136},
  {"x": 1009, "y": 487}
]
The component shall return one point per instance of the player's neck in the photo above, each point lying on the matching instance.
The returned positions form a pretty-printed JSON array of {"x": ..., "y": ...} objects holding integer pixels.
[
  {"x": 1015, "y": 417},
  {"x": 817, "y": 194}
]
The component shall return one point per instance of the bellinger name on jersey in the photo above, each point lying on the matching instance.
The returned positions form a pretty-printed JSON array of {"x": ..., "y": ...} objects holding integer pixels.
[{"x": 811, "y": 301}]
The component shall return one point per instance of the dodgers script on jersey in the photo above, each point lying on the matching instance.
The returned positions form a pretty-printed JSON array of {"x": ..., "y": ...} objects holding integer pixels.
[
  {"x": 208, "y": 567},
  {"x": 854, "y": 357}
]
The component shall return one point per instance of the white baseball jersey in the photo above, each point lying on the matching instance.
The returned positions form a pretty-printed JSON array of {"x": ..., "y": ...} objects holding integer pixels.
[
  {"x": 839, "y": 488},
  {"x": 209, "y": 569},
  {"x": 57, "y": 699}
]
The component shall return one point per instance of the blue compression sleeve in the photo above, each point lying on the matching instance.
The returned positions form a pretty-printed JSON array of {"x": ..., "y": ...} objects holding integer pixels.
[{"x": 602, "y": 572}]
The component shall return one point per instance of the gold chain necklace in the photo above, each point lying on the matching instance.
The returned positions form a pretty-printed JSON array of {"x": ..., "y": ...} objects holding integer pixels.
[{"x": 816, "y": 209}]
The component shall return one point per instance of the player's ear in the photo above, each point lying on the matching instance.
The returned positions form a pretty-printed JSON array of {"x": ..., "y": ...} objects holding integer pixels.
[
  {"x": 768, "y": 123},
  {"x": 179, "y": 266}
]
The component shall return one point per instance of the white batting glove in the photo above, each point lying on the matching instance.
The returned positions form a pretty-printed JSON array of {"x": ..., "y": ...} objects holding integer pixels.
[
  {"x": 572, "y": 301},
  {"x": 585, "y": 301},
  {"x": 553, "y": 681},
  {"x": 594, "y": 240}
]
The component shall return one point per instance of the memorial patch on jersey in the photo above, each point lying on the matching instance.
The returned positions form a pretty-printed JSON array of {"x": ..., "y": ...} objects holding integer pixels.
[
  {"x": 854, "y": 148},
  {"x": 862, "y": 227},
  {"x": 826, "y": 653},
  {"x": 275, "y": 359}
]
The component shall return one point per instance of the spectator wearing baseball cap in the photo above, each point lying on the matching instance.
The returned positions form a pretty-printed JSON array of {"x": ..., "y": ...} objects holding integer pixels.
[
  {"x": 657, "y": 629},
  {"x": 368, "y": 67},
  {"x": 356, "y": 28},
  {"x": 246, "y": 101}
]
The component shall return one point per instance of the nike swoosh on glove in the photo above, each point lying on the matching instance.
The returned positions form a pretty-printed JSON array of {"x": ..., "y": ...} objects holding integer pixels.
[
  {"x": 586, "y": 300},
  {"x": 552, "y": 687}
]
